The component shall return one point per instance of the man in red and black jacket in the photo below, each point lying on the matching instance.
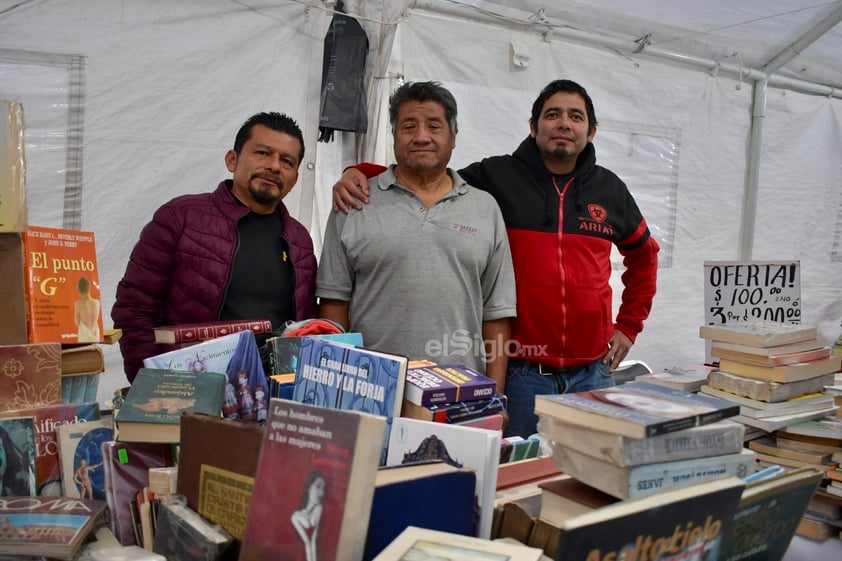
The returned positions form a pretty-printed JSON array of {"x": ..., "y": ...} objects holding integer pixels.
[{"x": 563, "y": 214}]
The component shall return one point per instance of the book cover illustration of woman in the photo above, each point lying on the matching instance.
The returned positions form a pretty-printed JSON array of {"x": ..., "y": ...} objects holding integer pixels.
[
  {"x": 17, "y": 460},
  {"x": 86, "y": 313},
  {"x": 307, "y": 516}
]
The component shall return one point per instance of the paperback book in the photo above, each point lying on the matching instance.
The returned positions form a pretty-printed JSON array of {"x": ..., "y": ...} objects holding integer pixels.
[
  {"x": 281, "y": 352},
  {"x": 235, "y": 355},
  {"x": 768, "y": 515},
  {"x": 47, "y": 418},
  {"x": 80, "y": 457},
  {"x": 759, "y": 333},
  {"x": 758, "y": 409},
  {"x": 786, "y": 372},
  {"x": 722, "y": 437},
  {"x": 684, "y": 378},
  {"x": 765, "y": 390},
  {"x": 314, "y": 484},
  {"x": 339, "y": 376},
  {"x": 54, "y": 527},
  {"x": 632, "y": 482},
  {"x": 62, "y": 286},
  {"x": 769, "y": 359},
  {"x": 566, "y": 497},
  {"x": 17, "y": 441},
  {"x": 180, "y": 533},
  {"x": 446, "y": 383},
  {"x": 413, "y": 440},
  {"x": 685, "y": 523},
  {"x": 458, "y": 412},
  {"x": 635, "y": 409},
  {"x": 422, "y": 543},
  {"x": 157, "y": 398}
]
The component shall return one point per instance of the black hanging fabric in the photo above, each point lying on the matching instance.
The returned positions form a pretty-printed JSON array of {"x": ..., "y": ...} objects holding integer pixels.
[{"x": 343, "y": 98}]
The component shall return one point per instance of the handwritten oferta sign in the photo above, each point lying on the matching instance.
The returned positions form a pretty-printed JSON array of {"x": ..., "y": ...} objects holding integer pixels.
[{"x": 738, "y": 291}]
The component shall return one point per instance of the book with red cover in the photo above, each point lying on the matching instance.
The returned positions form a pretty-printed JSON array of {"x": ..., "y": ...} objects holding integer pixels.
[
  {"x": 314, "y": 484},
  {"x": 47, "y": 418},
  {"x": 193, "y": 332},
  {"x": 127, "y": 472},
  {"x": 62, "y": 286},
  {"x": 30, "y": 375}
]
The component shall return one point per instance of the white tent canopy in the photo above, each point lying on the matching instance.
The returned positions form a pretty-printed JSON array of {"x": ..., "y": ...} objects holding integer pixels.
[{"x": 724, "y": 118}]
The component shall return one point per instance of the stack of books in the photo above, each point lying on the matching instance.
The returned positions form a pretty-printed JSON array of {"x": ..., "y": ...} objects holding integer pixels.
[
  {"x": 639, "y": 439},
  {"x": 775, "y": 372},
  {"x": 452, "y": 393}
]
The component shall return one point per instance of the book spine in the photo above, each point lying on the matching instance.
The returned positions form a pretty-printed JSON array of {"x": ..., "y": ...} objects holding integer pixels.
[
  {"x": 468, "y": 410},
  {"x": 203, "y": 332},
  {"x": 646, "y": 479}
]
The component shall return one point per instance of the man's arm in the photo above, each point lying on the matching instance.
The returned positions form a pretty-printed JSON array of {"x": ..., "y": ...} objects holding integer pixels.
[
  {"x": 141, "y": 293},
  {"x": 353, "y": 187},
  {"x": 335, "y": 310},
  {"x": 496, "y": 333}
]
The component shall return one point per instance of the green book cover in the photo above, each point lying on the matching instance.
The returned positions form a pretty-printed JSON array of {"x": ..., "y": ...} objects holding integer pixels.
[{"x": 160, "y": 396}]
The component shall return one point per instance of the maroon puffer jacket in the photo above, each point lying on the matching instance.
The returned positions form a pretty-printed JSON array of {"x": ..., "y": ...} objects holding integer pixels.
[{"x": 178, "y": 270}]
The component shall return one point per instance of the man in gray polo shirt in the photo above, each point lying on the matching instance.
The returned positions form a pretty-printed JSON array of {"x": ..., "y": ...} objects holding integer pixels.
[{"x": 425, "y": 269}]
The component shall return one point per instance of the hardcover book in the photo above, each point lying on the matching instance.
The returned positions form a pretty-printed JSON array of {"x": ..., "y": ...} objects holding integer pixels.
[
  {"x": 63, "y": 293},
  {"x": 635, "y": 409},
  {"x": 413, "y": 440},
  {"x": 47, "y": 418},
  {"x": 422, "y": 543},
  {"x": 17, "y": 442},
  {"x": 126, "y": 473},
  {"x": 632, "y": 482},
  {"x": 157, "y": 398},
  {"x": 686, "y": 523},
  {"x": 188, "y": 333},
  {"x": 82, "y": 359},
  {"x": 12, "y": 167},
  {"x": 768, "y": 515},
  {"x": 722, "y": 437},
  {"x": 340, "y": 376},
  {"x": 217, "y": 481},
  {"x": 765, "y": 390},
  {"x": 434, "y": 495},
  {"x": 314, "y": 484},
  {"x": 180, "y": 533},
  {"x": 457, "y": 412},
  {"x": 80, "y": 457},
  {"x": 759, "y": 333},
  {"x": 235, "y": 355},
  {"x": 54, "y": 527},
  {"x": 30, "y": 375},
  {"x": 684, "y": 378},
  {"x": 446, "y": 383}
]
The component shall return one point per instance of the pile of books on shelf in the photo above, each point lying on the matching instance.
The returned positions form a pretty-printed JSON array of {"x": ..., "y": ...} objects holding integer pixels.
[{"x": 776, "y": 373}]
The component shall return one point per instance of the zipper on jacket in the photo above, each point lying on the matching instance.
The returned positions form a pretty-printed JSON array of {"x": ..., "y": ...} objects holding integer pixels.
[{"x": 559, "y": 237}]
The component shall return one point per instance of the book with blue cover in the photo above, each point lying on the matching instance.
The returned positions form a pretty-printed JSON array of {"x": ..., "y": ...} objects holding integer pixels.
[
  {"x": 340, "y": 376},
  {"x": 238, "y": 357}
]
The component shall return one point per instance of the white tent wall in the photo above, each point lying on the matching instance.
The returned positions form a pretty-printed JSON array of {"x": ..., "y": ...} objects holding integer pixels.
[
  {"x": 704, "y": 119},
  {"x": 167, "y": 84}
]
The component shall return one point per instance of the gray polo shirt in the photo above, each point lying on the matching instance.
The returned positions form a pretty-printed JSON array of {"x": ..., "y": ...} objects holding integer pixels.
[{"x": 420, "y": 281}]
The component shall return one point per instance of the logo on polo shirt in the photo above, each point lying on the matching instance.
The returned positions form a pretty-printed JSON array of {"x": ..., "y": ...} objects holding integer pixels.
[{"x": 463, "y": 229}]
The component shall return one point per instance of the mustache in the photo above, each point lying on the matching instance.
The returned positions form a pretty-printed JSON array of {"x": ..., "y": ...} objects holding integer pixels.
[{"x": 271, "y": 177}]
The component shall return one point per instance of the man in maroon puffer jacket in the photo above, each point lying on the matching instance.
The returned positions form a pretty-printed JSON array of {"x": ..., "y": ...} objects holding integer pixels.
[{"x": 235, "y": 253}]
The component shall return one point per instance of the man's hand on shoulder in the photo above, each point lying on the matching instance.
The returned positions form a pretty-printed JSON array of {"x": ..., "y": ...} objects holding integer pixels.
[{"x": 351, "y": 188}]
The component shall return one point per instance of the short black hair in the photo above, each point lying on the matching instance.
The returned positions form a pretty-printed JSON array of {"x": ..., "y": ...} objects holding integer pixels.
[
  {"x": 563, "y": 86},
  {"x": 273, "y": 120},
  {"x": 423, "y": 91}
]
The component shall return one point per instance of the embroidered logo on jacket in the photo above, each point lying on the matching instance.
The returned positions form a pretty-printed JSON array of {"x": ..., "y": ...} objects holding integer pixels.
[{"x": 596, "y": 221}]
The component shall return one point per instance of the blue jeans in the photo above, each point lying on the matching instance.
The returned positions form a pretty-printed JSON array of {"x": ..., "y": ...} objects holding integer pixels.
[{"x": 524, "y": 381}]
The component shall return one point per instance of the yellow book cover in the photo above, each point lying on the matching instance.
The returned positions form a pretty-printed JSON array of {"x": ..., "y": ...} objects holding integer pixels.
[{"x": 63, "y": 292}]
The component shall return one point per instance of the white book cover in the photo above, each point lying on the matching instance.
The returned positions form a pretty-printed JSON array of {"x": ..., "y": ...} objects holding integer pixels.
[
  {"x": 639, "y": 481},
  {"x": 414, "y": 440}
]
